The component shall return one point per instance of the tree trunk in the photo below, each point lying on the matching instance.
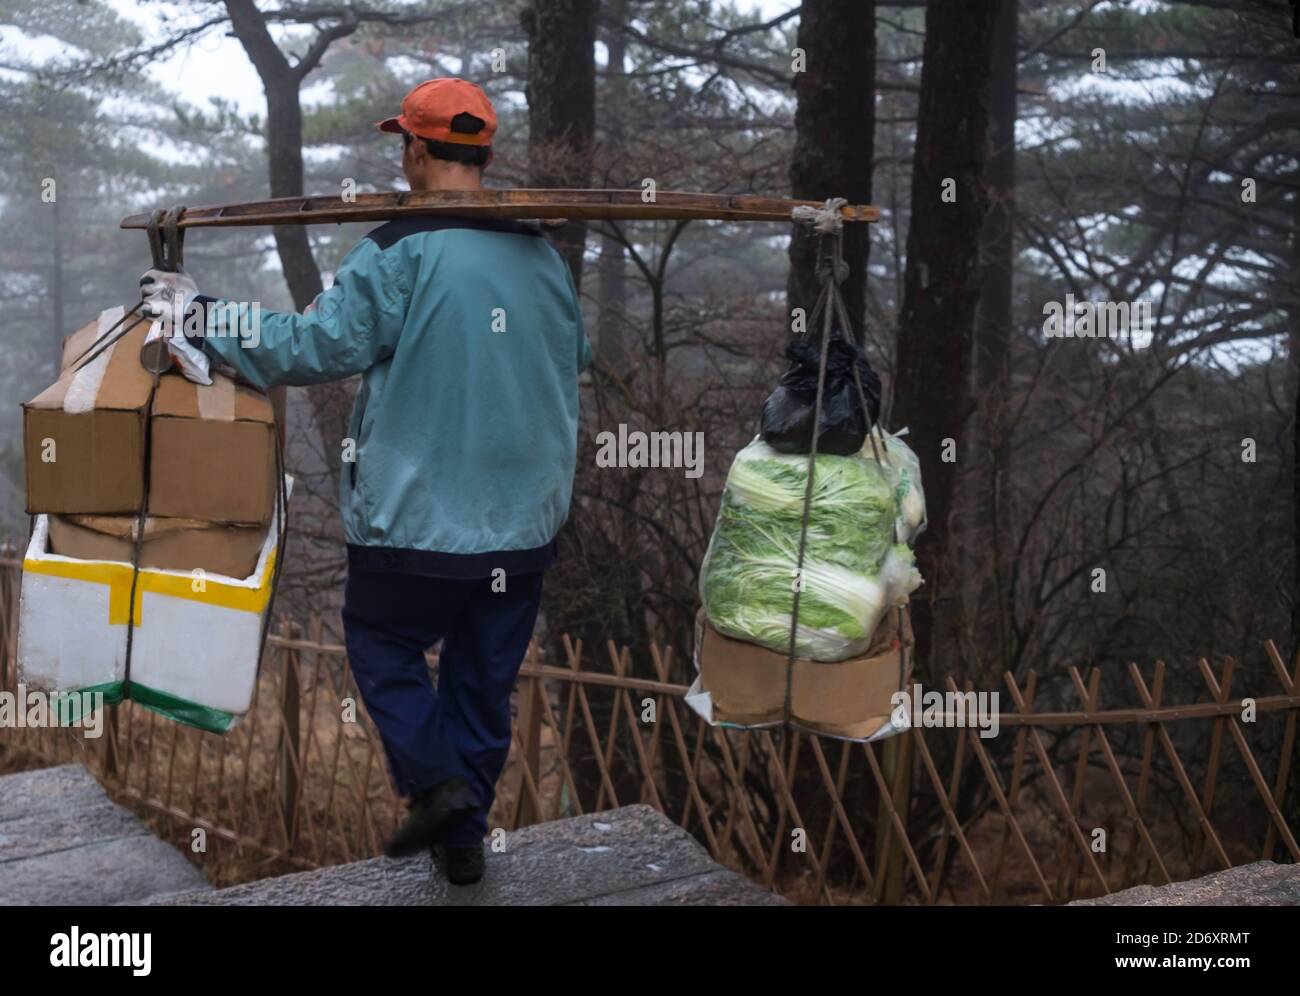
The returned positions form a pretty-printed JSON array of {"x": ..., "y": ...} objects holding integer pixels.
[
  {"x": 990, "y": 532},
  {"x": 561, "y": 95},
  {"x": 941, "y": 283},
  {"x": 1294, "y": 372},
  {"x": 611, "y": 322},
  {"x": 330, "y": 403},
  {"x": 284, "y": 160},
  {"x": 834, "y": 128}
]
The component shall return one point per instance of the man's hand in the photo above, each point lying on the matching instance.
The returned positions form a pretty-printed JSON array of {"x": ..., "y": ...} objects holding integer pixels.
[
  {"x": 191, "y": 360},
  {"x": 167, "y": 295},
  {"x": 167, "y": 298}
]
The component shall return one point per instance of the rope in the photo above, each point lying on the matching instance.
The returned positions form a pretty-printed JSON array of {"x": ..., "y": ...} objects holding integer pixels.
[
  {"x": 166, "y": 245},
  {"x": 168, "y": 252},
  {"x": 165, "y": 248},
  {"x": 281, "y": 538},
  {"x": 881, "y": 453},
  {"x": 166, "y": 238},
  {"x": 142, "y": 517},
  {"x": 832, "y": 270},
  {"x": 827, "y": 219},
  {"x": 807, "y": 508},
  {"x": 78, "y": 362}
]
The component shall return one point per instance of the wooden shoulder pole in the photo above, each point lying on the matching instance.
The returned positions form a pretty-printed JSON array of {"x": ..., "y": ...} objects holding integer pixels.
[{"x": 587, "y": 205}]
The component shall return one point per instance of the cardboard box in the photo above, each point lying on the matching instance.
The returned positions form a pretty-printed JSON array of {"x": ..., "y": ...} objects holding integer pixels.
[
  {"x": 76, "y": 345},
  {"x": 194, "y": 647},
  {"x": 213, "y": 455},
  {"x": 84, "y": 435},
  {"x": 212, "y": 448},
  {"x": 743, "y": 684},
  {"x": 170, "y": 544}
]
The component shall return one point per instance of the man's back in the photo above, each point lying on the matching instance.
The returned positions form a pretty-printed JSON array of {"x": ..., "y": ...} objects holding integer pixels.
[
  {"x": 466, "y": 434},
  {"x": 470, "y": 341}
]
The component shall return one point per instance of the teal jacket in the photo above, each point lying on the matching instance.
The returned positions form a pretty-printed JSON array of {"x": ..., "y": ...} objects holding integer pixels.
[{"x": 469, "y": 338}]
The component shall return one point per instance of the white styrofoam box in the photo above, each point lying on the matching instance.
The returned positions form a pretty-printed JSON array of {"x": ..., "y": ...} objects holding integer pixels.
[
  {"x": 65, "y": 639},
  {"x": 196, "y": 638}
]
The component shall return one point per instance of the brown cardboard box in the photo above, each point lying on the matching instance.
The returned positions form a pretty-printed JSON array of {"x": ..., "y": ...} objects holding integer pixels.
[
  {"x": 213, "y": 447},
  {"x": 169, "y": 544},
  {"x": 849, "y": 699},
  {"x": 213, "y": 454},
  {"x": 84, "y": 435},
  {"x": 76, "y": 345}
]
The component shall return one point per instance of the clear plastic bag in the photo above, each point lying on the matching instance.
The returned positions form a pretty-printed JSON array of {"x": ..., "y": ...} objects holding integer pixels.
[
  {"x": 904, "y": 469},
  {"x": 853, "y": 571}
]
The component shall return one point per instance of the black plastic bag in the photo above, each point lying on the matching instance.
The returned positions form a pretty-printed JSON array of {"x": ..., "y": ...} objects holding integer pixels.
[{"x": 788, "y": 412}]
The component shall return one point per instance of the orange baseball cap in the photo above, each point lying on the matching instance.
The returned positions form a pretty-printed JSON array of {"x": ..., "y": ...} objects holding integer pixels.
[{"x": 428, "y": 112}]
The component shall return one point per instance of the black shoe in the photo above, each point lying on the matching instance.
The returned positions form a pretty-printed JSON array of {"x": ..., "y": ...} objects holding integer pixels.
[
  {"x": 430, "y": 813},
  {"x": 461, "y": 865}
]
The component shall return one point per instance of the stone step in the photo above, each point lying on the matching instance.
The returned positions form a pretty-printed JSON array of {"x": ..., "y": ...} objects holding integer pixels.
[
  {"x": 632, "y": 856},
  {"x": 1260, "y": 883},
  {"x": 64, "y": 842}
]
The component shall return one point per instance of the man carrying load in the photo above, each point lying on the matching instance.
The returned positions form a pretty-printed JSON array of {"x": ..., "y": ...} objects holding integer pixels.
[{"x": 469, "y": 339}]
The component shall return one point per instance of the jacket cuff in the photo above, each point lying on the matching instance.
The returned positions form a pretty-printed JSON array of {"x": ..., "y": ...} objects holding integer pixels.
[{"x": 200, "y": 306}]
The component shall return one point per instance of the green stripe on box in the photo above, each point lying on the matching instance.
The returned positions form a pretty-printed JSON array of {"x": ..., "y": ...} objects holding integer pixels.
[
  {"x": 67, "y": 705},
  {"x": 182, "y": 710}
]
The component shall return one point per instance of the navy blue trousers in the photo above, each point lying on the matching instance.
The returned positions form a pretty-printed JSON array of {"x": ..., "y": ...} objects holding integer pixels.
[{"x": 461, "y": 728}]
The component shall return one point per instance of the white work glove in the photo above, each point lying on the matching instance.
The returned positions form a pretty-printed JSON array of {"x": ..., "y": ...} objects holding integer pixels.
[
  {"x": 167, "y": 297},
  {"x": 191, "y": 360}
]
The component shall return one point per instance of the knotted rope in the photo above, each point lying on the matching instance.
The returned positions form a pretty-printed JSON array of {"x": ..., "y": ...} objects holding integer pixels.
[
  {"x": 827, "y": 219},
  {"x": 828, "y": 222},
  {"x": 832, "y": 270}
]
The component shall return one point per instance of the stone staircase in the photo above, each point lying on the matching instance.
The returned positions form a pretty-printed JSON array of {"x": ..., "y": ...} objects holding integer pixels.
[
  {"x": 63, "y": 841},
  {"x": 1261, "y": 883}
]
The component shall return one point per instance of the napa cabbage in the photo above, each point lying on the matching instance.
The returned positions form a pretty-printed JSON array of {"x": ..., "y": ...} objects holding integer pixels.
[{"x": 854, "y": 567}]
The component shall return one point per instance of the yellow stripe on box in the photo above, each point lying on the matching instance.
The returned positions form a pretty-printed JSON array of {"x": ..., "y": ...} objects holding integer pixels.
[{"x": 118, "y": 579}]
